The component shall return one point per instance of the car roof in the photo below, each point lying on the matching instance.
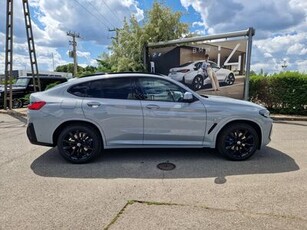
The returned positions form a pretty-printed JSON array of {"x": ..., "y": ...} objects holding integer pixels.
[
  {"x": 43, "y": 77},
  {"x": 116, "y": 75}
]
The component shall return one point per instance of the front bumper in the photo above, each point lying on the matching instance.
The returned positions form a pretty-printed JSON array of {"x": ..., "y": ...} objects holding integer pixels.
[{"x": 267, "y": 132}]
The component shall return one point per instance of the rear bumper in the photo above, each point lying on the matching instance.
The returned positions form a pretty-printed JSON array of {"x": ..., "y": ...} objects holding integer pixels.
[{"x": 32, "y": 136}]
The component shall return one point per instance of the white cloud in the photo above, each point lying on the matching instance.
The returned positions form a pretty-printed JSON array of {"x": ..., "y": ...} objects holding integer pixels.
[
  {"x": 297, "y": 49},
  {"x": 267, "y": 55},
  {"x": 52, "y": 19},
  {"x": 195, "y": 24},
  {"x": 302, "y": 65},
  {"x": 280, "y": 27},
  {"x": 86, "y": 55}
]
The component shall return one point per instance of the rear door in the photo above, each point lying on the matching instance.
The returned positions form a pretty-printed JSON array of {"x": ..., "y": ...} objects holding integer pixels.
[{"x": 111, "y": 103}]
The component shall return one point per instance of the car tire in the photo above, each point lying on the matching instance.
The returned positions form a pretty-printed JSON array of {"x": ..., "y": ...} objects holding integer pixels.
[
  {"x": 198, "y": 82},
  {"x": 17, "y": 103},
  {"x": 79, "y": 143},
  {"x": 230, "y": 79},
  {"x": 238, "y": 141}
]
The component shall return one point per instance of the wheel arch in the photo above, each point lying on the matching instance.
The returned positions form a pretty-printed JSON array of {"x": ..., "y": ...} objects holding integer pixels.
[
  {"x": 65, "y": 124},
  {"x": 251, "y": 123}
]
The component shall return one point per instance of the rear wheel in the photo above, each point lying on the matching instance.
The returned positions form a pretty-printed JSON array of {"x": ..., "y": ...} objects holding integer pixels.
[
  {"x": 197, "y": 83},
  {"x": 16, "y": 103},
  {"x": 79, "y": 144},
  {"x": 238, "y": 141}
]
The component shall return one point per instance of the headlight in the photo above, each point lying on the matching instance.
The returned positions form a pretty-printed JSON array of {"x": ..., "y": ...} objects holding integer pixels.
[{"x": 264, "y": 112}]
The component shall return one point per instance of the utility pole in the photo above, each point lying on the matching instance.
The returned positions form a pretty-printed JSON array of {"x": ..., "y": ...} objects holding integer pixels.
[
  {"x": 9, "y": 51},
  {"x": 73, "y": 53},
  {"x": 284, "y": 65},
  {"x": 115, "y": 30},
  {"x": 31, "y": 46},
  {"x": 8, "y": 54}
]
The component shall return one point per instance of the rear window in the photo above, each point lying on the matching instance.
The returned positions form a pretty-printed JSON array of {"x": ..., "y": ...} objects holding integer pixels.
[
  {"x": 113, "y": 88},
  {"x": 79, "y": 90}
]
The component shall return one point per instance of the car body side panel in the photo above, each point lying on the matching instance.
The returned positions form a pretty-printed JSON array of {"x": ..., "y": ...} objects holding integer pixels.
[
  {"x": 120, "y": 120},
  {"x": 53, "y": 114},
  {"x": 174, "y": 123},
  {"x": 222, "y": 113}
]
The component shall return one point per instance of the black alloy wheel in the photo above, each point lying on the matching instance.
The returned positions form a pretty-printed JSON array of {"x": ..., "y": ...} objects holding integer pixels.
[
  {"x": 16, "y": 103},
  {"x": 197, "y": 83},
  {"x": 238, "y": 141},
  {"x": 230, "y": 80},
  {"x": 79, "y": 144}
]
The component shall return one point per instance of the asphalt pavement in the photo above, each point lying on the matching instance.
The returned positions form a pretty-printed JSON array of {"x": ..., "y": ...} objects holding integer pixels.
[{"x": 124, "y": 189}]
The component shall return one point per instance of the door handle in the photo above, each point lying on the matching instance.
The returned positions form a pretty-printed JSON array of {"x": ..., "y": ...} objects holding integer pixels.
[
  {"x": 93, "y": 104},
  {"x": 152, "y": 106}
]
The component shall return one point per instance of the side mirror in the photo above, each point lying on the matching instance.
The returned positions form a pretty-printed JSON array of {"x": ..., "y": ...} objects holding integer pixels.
[{"x": 188, "y": 97}]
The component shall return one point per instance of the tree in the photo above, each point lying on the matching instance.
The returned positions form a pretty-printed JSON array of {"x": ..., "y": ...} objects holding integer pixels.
[
  {"x": 68, "y": 68},
  {"x": 160, "y": 24},
  {"x": 104, "y": 64}
]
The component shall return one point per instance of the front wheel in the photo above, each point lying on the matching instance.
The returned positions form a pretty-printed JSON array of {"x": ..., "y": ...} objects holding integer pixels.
[
  {"x": 197, "y": 83},
  {"x": 79, "y": 143},
  {"x": 230, "y": 79},
  {"x": 238, "y": 141}
]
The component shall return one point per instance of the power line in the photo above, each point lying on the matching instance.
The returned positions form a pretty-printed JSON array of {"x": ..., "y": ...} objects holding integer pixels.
[
  {"x": 100, "y": 14},
  {"x": 112, "y": 11},
  {"x": 91, "y": 13}
]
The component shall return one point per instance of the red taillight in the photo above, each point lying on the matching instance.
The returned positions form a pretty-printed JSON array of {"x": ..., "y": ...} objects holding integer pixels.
[
  {"x": 37, "y": 105},
  {"x": 183, "y": 70}
]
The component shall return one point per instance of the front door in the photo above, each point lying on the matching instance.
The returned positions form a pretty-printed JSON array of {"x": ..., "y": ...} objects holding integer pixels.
[{"x": 168, "y": 120}]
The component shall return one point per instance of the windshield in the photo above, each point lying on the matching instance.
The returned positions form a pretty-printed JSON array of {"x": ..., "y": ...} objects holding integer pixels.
[{"x": 22, "y": 82}]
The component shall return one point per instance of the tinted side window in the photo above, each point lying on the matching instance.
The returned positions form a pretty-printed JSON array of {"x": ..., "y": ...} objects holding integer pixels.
[
  {"x": 113, "y": 88},
  {"x": 161, "y": 90},
  {"x": 44, "y": 83},
  {"x": 79, "y": 90}
]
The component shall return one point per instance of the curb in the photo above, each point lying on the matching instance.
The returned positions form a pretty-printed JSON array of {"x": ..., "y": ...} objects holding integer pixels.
[
  {"x": 13, "y": 113},
  {"x": 288, "y": 118}
]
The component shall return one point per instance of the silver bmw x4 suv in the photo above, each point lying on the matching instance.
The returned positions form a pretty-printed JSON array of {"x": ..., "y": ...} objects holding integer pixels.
[{"x": 135, "y": 110}]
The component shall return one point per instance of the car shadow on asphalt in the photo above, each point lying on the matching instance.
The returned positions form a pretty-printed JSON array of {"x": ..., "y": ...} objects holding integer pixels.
[{"x": 142, "y": 164}]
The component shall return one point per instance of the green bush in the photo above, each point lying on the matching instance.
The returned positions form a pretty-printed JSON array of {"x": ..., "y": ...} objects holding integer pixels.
[
  {"x": 284, "y": 93},
  {"x": 51, "y": 85}
]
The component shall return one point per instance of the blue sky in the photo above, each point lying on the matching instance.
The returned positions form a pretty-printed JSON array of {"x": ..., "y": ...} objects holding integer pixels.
[{"x": 281, "y": 28}]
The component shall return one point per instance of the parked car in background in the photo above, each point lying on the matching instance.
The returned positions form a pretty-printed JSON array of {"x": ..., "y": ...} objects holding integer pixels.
[
  {"x": 24, "y": 86},
  {"x": 138, "y": 110},
  {"x": 192, "y": 75}
]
